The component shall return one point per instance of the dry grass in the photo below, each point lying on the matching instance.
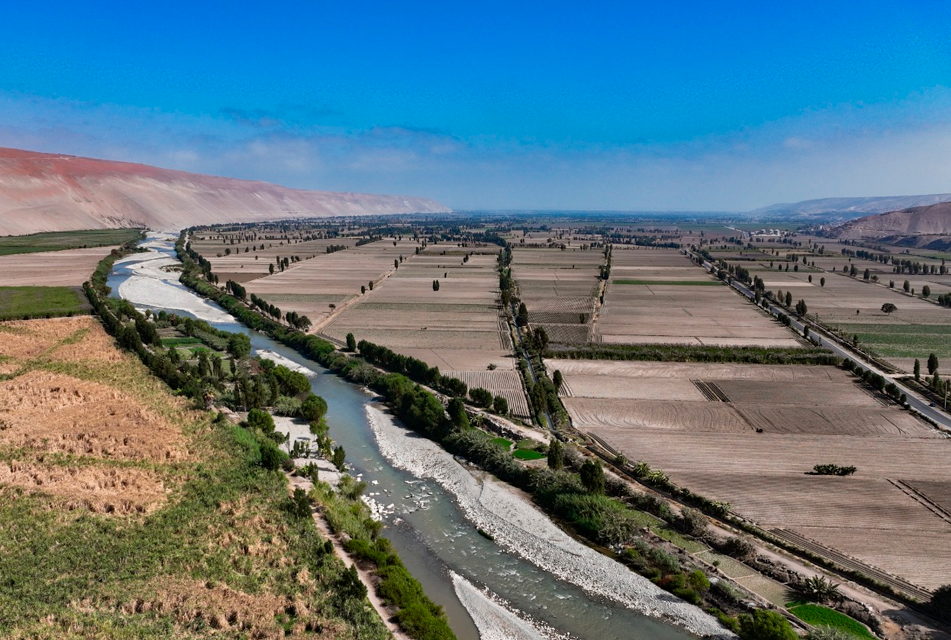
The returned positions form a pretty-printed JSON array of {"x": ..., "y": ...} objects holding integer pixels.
[
  {"x": 70, "y": 429},
  {"x": 123, "y": 514}
]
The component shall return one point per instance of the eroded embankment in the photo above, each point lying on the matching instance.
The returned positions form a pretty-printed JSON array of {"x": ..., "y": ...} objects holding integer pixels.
[{"x": 520, "y": 528}]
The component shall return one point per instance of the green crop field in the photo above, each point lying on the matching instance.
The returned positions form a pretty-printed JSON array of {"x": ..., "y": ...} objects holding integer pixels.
[
  {"x": 817, "y": 615},
  {"x": 658, "y": 283},
  {"x": 60, "y": 240},
  {"x": 41, "y": 302},
  {"x": 903, "y": 340},
  {"x": 526, "y": 454}
]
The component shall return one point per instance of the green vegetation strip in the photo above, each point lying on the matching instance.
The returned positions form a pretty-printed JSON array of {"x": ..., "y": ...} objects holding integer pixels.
[
  {"x": 668, "y": 283},
  {"x": 817, "y": 616},
  {"x": 691, "y": 353},
  {"x": 41, "y": 302},
  {"x": 61, "y": 240}
]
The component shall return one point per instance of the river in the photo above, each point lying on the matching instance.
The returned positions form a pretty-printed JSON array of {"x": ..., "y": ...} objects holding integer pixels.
[{"x": 487, "y": 590}]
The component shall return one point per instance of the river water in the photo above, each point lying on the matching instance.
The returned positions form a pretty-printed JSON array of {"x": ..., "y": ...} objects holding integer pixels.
[{"x": 469, "y": 575}]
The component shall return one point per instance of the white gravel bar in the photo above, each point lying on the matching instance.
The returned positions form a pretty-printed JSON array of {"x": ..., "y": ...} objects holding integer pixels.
[
  {"x": 493, "y": 620},
  {"x": 520, "y": 528},
  {"x": 152, "y": 285}
]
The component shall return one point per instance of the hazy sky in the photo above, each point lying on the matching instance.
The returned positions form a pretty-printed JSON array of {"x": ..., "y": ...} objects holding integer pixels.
[{"x": 556, "y": 105}]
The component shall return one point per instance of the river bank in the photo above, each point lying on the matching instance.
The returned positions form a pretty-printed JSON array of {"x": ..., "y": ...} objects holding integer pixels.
[
  {"x": 519, "y": 527},
  {"x": 428, "y": 527}
]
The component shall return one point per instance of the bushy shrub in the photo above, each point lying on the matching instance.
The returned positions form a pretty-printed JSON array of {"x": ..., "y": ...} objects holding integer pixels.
[
  {"x": 739, "y": 548},
  {"x": 692, "y": 522},
  {"x": 765, "y": 625},
  {"x": 941, "y": 602}
]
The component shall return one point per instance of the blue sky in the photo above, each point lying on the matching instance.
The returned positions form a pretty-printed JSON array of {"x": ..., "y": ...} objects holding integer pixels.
[{"x": 596, "y": 105}]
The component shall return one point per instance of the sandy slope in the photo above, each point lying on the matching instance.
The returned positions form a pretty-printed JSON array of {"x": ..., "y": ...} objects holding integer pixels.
[{"x": 51, "y": 192}]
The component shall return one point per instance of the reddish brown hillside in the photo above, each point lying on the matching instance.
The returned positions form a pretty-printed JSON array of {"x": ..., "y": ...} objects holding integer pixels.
[
  {"x": 49, "y": 192},
  {"x": 933, "y": 220}
]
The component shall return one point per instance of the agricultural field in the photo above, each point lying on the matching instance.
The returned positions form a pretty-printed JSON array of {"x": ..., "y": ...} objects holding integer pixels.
[
  {"x": 458, "y": 328},
  {"x": 40, "y": 302},
  {"x": 658, "y": 296},
  {"x": 750, "y": 434},
  {"x": 853, "y": 305},
  {"x": 63, "y": 240},
  {"x": 560, "y": 289},
  {"x": 125, "y": 513},
  {"x": 66, "y": 268},
  {"x": 247, "y": 256},
  {"x": 311, "y": 286}
]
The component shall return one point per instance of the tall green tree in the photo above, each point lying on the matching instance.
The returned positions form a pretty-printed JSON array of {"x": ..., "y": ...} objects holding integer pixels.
[
  {"x": 351, "y": 343},
  {"x": 932, "y": 363},
  {"x": 592, "y": 476},
  {"x": 239, "y": 345},
  {"x": 556, "y": 455},
  {"x": 314, "y": 408},
  {"x": 917, "y": 370},
  {"x": 500, "y": 405},
  {"x": 522, "y": 318},
  {"x": 457, "y": 413},
  {"x": 941, "y": 602},
  {"x": 339, "y": 458}
]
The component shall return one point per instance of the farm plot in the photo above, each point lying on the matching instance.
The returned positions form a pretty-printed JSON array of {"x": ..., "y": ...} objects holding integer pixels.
[
  {"x": 312, "y": 286},
  {"x": 755, "y": 450},
  {"x": 41, "y": 302},
  {"x": 854, "y": 307},
  {"x": 559, "y": 289},
  {"x": 677, "y": 310},
  {"x": 67, "y": 268},
  {"x": 65, "y": 240},
  {"x": 248, "y": 259},
  {"x": 507, "y": 384},
  {"x": 456, "y": 326}
]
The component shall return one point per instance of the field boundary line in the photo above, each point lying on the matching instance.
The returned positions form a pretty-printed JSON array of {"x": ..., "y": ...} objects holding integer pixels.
[
  {"x": 921, "y": 499},
  {"x": 902, "y": 586}
]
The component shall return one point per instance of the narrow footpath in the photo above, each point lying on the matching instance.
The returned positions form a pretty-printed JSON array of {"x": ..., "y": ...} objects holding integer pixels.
[{"x": 382, "y": 610}]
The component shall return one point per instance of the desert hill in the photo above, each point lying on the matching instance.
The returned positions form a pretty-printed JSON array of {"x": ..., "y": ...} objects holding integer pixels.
[
  {"x": 925, "y": 223},
  {"x": 849, "y": 208},
  {"x": 52, "y": 192}
]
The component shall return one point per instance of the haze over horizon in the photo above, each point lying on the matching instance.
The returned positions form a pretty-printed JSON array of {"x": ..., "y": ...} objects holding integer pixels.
[{"x": 610, "y": 106}]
